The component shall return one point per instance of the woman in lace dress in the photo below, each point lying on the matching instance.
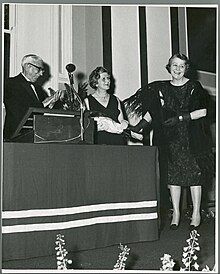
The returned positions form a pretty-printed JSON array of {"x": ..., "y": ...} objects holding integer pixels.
[{"x": 177, "y": 111}]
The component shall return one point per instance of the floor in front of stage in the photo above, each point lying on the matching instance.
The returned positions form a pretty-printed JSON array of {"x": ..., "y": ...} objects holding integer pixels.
[{"x": 143, "y": 256}]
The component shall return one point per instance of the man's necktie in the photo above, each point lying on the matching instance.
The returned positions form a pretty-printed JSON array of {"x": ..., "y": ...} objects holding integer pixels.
[{"x": 33, "y": 87}]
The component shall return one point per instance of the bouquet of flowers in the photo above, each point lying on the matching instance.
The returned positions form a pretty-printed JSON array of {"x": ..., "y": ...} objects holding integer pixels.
[
  {"x": 189, "y": 258},
  {"x": 120, "y": 264},
  {"x": 61, "y": 252}
]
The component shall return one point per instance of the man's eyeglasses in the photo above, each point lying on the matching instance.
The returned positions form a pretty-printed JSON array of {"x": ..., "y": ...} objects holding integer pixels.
[{"x": 39, "y": 68}]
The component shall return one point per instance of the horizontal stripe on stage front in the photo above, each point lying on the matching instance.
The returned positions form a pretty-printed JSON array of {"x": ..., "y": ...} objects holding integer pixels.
[
  {"x": 78, "y": 223},
  {"x": 75, "y": 210},
  {"x": 73, "y": 217}
]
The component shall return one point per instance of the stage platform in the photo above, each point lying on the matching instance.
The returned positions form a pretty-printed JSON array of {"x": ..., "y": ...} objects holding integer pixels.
[{"x": 94, "y": 195}]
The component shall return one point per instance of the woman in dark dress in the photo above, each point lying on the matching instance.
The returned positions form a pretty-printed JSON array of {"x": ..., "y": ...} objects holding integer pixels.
[
  {"x": 109, "y": 116},
  {"x": 177, "y": 111}
]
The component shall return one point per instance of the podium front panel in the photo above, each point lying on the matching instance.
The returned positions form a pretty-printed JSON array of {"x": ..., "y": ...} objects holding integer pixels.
[{"x": 62, "y": 129}]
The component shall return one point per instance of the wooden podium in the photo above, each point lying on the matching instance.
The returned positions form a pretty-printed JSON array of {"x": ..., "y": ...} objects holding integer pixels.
[{"x": 40, "y": 125}]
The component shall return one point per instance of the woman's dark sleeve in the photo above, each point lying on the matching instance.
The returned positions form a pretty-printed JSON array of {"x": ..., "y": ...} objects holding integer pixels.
[
  {"x": 199, "y": 129},
  {"x": 199, "y": 98},
  {"x": 151, "y": 101}
]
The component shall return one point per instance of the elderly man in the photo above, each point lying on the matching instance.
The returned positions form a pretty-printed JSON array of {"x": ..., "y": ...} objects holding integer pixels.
[{"x": 22, "y": 92}]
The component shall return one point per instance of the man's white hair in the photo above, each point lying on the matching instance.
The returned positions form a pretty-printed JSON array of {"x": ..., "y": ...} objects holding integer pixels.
[{"x": 29, "y": 58}]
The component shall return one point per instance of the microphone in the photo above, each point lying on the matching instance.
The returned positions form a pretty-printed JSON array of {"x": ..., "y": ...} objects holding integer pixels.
[{"x": 70, "y": 69}]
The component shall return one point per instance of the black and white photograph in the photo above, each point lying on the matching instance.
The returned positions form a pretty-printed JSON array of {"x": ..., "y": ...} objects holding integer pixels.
[{"x": 109, "y": 137}]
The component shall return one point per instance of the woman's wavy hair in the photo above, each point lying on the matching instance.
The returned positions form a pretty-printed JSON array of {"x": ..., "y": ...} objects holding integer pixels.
[
  {"x": 180, "y": 56},
  {"x": 95, "y": 75}
]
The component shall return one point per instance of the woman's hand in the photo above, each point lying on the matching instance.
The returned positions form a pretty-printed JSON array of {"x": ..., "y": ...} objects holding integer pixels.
[
  {"x": 171, "y": 121},
  {"x": 184, "y": 117},
  {"x": 107, "y": 124},
  {"x": 102, "y": 124}
]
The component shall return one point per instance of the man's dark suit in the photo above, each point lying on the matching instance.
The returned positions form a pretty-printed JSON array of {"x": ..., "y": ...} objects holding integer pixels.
[{"x": 18, "y": 97}]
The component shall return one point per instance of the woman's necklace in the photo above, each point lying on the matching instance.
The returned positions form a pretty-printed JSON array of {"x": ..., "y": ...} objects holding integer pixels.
[{"x": 104, "y": 98}]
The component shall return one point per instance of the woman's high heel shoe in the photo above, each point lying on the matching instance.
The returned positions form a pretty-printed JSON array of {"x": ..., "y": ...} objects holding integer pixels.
[
  {"x": 174, "y": 226},
  {"x": 191, "y": 227}
]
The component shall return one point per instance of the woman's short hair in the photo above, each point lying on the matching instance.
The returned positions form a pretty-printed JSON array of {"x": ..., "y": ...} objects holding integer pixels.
[
  {"x": 180, "y": 56},
  {"x": 95, "y": 75}
]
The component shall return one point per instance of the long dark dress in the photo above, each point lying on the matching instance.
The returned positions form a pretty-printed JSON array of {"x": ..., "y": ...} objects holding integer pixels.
[
  {"x": 111, "y": 111},
  {"x": 187, "y": 144}
]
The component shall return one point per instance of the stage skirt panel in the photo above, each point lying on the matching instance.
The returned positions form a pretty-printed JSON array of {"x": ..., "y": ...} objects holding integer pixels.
[{"x": 95, "y": 196}]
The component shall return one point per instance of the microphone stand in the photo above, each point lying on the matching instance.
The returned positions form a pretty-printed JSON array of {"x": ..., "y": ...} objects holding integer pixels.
[{"x": 81, "y": 106}]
